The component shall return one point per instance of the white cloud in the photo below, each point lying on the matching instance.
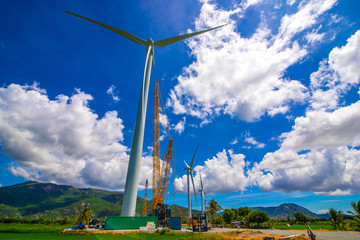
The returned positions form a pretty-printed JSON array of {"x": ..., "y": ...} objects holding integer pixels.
[
  {"x": 233, "y": 142},
  {"x": 337, "y": 75},
  {"x": 324, "y": 211},
  {"x": 180, "y": 126},
  {"x": 223, "y": 173},
  {"x": 321, "y": 153},
  {"x": 290, "y": 2},
  {"x": 337, "y": 192},
  {"x": 315, "y": 36},
  {"x": 345, "y": 60},
  {"x": 111, "y": 92},
  {"x": 63, "y": 140},
  {"x": 322, "y": 170},
  {"x": 239, "y": 76},
  {"x": 163, "y": 120},
  {"x": 251, "y": 140}
]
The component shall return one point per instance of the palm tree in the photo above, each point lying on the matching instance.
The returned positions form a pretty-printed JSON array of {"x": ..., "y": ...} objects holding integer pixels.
[
  {"x": 213, "y": 208},
  {"x": 336, "y": 218},
  {"x": 85, "y": 215},
  {"x": 356, "y": 212}
]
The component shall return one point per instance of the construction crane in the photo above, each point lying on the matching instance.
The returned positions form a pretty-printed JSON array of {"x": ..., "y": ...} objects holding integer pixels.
[
  {"x": 145, "y": 199},
  {"x": 166, "y": 169},
  {"x": 156, "y": 150},
  {"x": 161, "y": 172}
]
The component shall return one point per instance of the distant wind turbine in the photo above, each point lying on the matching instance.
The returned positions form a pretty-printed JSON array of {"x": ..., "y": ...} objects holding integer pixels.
[
  {"x": 189, "y": 174},
  {"x": 202, "y": 193},
  {"x": 133, "y": 173}
]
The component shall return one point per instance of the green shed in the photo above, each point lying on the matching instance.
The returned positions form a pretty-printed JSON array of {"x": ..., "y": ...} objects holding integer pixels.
[{"x": 123, "y": 223}]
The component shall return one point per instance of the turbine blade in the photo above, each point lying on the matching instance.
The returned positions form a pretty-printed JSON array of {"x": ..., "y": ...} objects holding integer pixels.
[
  {"x": 192, "y": 160},
  {"x": 192, "y": 179},
  {"x": 202, "y": 188},
  {"x": 168, "y": 41},
  {"x": 116, "y": 30},
  {"x": 186, "y": 164}
]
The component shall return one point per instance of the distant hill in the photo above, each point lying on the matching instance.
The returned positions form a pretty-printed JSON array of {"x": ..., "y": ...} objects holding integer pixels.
[
  {"x": 52, "y": 201},
  {"x": 288, "y": 209}
]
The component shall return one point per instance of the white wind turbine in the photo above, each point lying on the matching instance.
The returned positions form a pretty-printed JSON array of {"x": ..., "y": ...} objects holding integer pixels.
[
  {"x": 189, "y": 174},
  {"x": 133, "y": 173}
]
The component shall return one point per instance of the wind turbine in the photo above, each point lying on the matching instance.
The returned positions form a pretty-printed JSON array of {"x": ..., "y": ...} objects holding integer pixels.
[
  {"x": 189, "y": 174},
  {"x": 202, "y": 193},
  {"x": 132, "y": 178}
]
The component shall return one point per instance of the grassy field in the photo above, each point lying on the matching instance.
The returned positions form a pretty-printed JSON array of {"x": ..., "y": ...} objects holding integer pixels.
[
  {"x": 15, "y": 231},
  {"x": 18, "y": 231},
  {"x": 314, "y": 226}
]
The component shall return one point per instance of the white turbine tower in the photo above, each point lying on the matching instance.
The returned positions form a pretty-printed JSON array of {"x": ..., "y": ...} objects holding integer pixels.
[
  {"x": 132, "y": 178},
  {"x": 189, "y": 174}
]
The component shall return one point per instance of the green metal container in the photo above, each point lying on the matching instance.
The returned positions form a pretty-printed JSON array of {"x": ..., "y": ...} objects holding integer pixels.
[{"x": 123, "y": 223}]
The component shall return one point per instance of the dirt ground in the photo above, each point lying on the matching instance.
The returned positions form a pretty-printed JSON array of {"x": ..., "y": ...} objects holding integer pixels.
[{"x": 260, "y": 234}]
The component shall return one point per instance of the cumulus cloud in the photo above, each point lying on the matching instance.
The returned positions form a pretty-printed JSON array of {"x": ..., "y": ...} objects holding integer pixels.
[
  {"x": 63, "y": 140},
  {"x": 324, "y": 211},
  {"x": 244, "y": 77},
  {"x": 321, "y": 153},
  {"x": 336, "y": 76},
  {"x": 223, "y": 173}
]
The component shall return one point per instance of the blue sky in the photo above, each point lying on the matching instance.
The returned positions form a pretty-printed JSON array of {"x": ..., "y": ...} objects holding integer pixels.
[{"x": 272, "y": 99}]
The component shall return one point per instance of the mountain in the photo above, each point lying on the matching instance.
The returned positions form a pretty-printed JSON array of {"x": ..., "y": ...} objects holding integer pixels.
[
  {"x": 288, "y": 209},
  {"x": 52, "y": 201}
]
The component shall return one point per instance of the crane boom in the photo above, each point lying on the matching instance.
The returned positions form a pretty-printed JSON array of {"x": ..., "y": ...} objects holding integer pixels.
[{"x": 166, "y": 173}]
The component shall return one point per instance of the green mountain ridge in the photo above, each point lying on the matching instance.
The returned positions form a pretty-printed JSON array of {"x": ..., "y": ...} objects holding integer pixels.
[
  {"x": 288, "y": 209},
  {"x": 52, "y": 201}
]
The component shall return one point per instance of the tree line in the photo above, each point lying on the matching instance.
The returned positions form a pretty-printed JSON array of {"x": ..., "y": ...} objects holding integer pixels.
[{"x": 246, "y": 216}]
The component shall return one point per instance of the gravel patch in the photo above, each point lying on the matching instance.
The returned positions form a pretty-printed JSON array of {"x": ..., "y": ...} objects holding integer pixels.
[{"x": 328, "y": 235}]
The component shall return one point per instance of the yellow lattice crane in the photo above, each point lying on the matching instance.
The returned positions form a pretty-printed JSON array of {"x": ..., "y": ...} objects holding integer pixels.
[
  {"x": 161, "y": 172},
  {"x": 156, "y": 149}
]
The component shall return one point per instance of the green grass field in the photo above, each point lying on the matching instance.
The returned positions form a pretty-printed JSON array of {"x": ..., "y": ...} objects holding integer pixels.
[
  {"x": 314, "y": 226},
  {"x": 15, "y": 231}
]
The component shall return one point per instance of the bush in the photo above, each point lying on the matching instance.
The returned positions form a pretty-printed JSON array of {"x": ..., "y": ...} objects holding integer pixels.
[{"x": 218, "y": 220}]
